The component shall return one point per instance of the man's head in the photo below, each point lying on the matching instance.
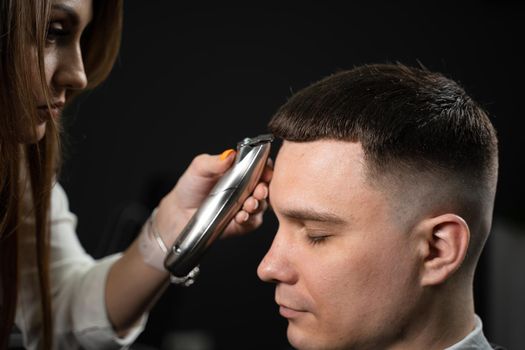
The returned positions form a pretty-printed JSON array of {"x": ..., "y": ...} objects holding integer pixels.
[{"x": 384, "y": 189}]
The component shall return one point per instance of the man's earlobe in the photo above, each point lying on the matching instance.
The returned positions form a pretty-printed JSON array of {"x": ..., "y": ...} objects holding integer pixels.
[{"x": 447, "y": 240}]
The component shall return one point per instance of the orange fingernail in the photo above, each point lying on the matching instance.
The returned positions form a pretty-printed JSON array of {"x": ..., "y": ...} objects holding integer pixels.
[{"x": 226, "y": 153}]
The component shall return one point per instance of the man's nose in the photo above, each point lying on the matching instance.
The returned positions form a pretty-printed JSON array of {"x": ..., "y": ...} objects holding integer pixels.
[
  {"x": 276, "y": 266},
  {"x": 71, "y": 74}
]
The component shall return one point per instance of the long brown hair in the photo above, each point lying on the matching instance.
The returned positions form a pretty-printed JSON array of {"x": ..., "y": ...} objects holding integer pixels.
[{"x": 23, "y": 29}]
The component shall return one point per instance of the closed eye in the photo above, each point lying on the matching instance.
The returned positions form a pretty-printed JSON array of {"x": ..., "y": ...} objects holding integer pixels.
[{"x": 317, "y": 239}]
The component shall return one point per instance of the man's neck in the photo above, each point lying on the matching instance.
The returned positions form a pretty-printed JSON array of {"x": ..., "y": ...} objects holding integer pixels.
[{"x": 443, "y": 320}]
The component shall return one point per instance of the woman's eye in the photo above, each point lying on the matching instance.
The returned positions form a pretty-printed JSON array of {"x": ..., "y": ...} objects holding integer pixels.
[{"x": 55, "y": 31}]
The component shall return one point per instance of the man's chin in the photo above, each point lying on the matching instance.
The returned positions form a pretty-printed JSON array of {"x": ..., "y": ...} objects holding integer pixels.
[
  {"x": 301, "y": 339},
  {"x": 312, "y": 338}
]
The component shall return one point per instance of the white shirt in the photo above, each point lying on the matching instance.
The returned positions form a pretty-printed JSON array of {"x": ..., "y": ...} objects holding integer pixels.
[
  {"x": 77, "y": 288},
  {"x": 475, "y": 340}
]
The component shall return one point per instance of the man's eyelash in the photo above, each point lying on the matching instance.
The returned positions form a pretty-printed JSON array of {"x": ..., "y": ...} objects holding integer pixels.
[{"x": 315, "y": 240}]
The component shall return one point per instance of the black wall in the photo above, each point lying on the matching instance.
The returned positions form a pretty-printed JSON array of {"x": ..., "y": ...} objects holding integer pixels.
[{"x": 194, "y": 79}]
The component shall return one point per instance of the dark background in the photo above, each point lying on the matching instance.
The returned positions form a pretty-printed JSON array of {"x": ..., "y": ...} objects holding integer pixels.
[{"x": 193, "y": 79}]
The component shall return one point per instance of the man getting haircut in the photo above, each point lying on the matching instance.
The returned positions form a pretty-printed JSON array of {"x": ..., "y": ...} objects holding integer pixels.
[{"x": 384, "y": 190}]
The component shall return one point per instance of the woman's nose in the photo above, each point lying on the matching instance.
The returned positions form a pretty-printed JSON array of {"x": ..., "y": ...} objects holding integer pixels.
[{"x": 70, "y": 73}]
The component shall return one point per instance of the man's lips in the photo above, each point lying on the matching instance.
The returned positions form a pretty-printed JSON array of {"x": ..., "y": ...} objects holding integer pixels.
[{"x": 290, "y": 312}]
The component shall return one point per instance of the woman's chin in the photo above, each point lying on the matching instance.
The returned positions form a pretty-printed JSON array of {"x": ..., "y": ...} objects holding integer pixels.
[
  {"x": 30, "y": 137},
  {"x": 40, "y": 131}
]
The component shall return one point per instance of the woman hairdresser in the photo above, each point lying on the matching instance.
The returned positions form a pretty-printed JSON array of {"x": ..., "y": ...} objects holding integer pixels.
[{"x": 50, "y": 50}]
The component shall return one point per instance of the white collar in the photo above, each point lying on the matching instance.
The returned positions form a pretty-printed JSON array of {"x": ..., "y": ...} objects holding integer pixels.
[{"x": 475, "y": 340}]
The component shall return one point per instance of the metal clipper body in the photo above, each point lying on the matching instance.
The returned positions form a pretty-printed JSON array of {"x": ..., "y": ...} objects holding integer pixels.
[{"x": 221, "y": 205}]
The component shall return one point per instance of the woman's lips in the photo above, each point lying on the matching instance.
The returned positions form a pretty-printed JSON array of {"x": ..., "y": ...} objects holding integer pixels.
[{"x": 50, "y": 113}]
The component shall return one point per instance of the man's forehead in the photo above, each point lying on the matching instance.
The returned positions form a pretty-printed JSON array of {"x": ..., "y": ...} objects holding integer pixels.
[
  {"x": 321, "y": 156},
  {"x": 324, "y": 145},
  {"x": 326, "y": 173}
]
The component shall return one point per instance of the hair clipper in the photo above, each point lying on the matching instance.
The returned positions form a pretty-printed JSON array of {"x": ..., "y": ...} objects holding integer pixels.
[{"x": 221, "y": 205}]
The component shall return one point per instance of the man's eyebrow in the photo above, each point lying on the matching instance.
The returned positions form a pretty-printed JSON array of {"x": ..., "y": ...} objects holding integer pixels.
[
  {"x": 70, "y": 12},
  {"x": 308, "y": 214}
]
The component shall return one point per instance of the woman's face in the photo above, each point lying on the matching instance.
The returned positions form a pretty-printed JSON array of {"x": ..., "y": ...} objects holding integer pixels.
[{"x": 63, "y": 63}]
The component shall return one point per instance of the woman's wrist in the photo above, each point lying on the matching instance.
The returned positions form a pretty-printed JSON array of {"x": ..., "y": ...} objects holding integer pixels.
[
  {"x": 153, "y": 249},
  {"x": 151, "y": 244}
]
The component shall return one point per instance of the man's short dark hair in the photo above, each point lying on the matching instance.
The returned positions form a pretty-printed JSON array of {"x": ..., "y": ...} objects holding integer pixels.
[{"x": 399, "y": 114}]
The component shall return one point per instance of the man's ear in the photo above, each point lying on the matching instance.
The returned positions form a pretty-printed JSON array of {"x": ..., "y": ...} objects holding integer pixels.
[{"x": 445, "y": 241}]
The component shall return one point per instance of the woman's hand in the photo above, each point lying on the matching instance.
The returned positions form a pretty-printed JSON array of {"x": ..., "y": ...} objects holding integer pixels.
[
  {"x": 193, "y": 187},
  {"x": 133, "y": 284}
]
